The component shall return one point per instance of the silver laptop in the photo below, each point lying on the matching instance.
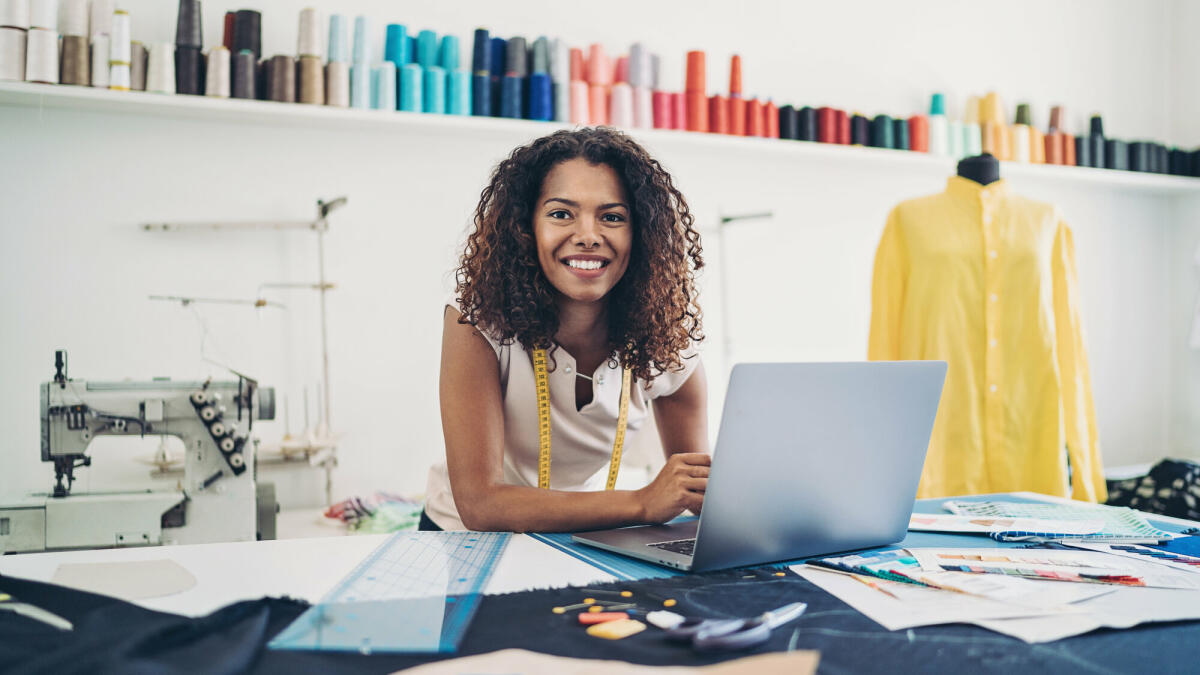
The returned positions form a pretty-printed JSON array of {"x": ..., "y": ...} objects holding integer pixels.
[{"x": 811, "y": 459}]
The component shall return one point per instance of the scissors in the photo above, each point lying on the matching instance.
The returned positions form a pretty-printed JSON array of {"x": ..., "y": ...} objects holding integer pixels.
[
  {"x": 37, "y": 613},
  {"x": 714, "y": 635}
]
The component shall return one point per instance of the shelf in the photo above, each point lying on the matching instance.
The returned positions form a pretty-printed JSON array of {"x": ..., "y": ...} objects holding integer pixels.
[{"x": 43, "y": 96}]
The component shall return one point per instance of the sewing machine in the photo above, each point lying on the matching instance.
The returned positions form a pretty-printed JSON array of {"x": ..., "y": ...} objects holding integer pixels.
[{"x": 216, "y": 500}]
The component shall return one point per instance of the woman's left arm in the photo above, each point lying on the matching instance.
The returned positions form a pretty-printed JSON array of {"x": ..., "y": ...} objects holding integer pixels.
[{"x": 682, "y": 417}]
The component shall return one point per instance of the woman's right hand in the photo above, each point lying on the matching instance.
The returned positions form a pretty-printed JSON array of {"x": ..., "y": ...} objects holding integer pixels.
[{"x": 679, "y": 486}]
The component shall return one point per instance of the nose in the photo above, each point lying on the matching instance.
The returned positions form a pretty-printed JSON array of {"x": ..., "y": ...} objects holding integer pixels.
[{"x": 587, "y": 232}]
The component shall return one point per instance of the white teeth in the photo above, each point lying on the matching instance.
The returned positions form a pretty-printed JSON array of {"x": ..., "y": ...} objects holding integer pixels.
[{"x": 585, "y": 264}]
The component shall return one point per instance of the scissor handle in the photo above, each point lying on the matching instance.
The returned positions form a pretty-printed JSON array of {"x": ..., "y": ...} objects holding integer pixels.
[
  {"x": 690, "y": 628},
  {"x": 748, "y": 634}
]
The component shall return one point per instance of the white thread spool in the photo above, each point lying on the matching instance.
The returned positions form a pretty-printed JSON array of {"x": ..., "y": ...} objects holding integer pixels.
[
  {"x": 41, "y": 56},
  {"x": 14, "y": 14},
  {"x": 160, "y": 69},
  {"x": 337, "y": 84},
  {"x": 102, "y": 13},
  {"x": 44, "y": 14},
  {"x": 216, "y": 77},
  {"x": 560, "y": 79},
  {"x": 100, "y": 51},
  {"x": 119, "y": 53},
  {"x": 12, "y": 54},
  {"x": 308, "y": 40},
  {"x": 73, "y": 17}
]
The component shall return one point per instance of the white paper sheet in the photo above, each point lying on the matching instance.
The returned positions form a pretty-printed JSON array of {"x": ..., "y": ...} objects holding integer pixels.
[
  {"x": 1108, "y": 548},
  {"x": 1076, "y": 561},
  {"x": 938, "y": 522},
  {"x": 132, "y": 580}
]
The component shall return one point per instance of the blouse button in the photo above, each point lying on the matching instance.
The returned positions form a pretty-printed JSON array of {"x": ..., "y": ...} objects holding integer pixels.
[{"x": 568, "y": 370}]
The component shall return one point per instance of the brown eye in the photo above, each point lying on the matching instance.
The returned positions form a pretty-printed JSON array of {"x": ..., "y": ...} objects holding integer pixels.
[
  {"x": 613, "y": 218},
  {"x": 559, "y": 214}
]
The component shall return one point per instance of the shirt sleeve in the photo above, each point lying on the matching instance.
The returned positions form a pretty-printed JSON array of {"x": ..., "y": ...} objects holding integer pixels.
[
  {"x": 887, "y": 293},
  {"x": 1079, "y": 411},
  {"x": 669, "y": 382}
]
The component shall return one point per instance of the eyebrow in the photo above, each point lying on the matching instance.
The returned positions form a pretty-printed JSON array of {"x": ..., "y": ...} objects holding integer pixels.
[{"x": 574, "y": 204}]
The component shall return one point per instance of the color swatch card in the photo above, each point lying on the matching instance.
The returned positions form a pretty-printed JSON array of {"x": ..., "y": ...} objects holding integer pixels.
[
  {"x": 1176, "y": 561},
  {"x": 937, "y": 522},
  {"x": 1120, "y": 524}
]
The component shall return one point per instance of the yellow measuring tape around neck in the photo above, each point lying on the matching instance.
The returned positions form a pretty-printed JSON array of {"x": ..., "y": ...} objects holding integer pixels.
[{"x": 543, "y": 404}]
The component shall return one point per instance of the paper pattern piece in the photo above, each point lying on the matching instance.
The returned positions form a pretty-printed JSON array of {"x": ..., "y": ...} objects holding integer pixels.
[
  {"x": 1175, "y": 561},
  {"x": 1120, "y": 524},
  {"x": 937, "y": 522},
  {"x": 509, "y": 661},
  {"x": 133, "y": 580},
  {"x": 1056, "y": 565}
]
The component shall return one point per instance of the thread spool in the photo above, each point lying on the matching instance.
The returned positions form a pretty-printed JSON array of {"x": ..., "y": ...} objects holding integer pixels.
[
  {"x": 539, "y": 61},
  {"x": 41, "y": 56},
  {"x": 188, "y": 61},
  {"x": 15, "y": 14},
  {"x": 643, "y": 108},
  {"x": 119, "y": 53},
  {"x": 883, "y": 132},
  {"x": 72, "y": 18},
  {"x": 900, "y": 134},
  {"x": 308, "y": 35},
  {"x": 955, "y": 137},
  {"x": 99, "y": 69},
  {"x": 560, "y": 80},
  {"x": 972, "y": 143},
  {"x": 621, "y": 70},
  {"x": 598, "y": 104},
  {"x": 541, "y": 98},
  {"x": 411, "y": 88},
  {"x": 360, "y": 86},
  {"x": 427, "y": 49},
  {"x": 696, "y": 101},
  {"x": 662, "y": 110},
  {"x": 244, "y": 75},
  {"x": 247, "y": 32},
  {"x": 1037, "y": 146},
  {"x": 481, "y": 60},
  {"x": 1055, "y": 147},
  {"x": 216, "y": 74},
  {"x": 718, "y": 114},
  {"x": 310, "y": 80},
  {"x": 43, "y": 15},
  {"x": 860, "y": 130},
  {"x": 74, "y": 66},
  {"x": 754, "y": 118},
  {"x": 160, "y": 68},
  {"x": 339, "y": 47},
  {"x": 433, "y": 98},
  {"x": 516, "y": 57},
  {"x": 188, "y": 31},
  {"x": 511, "y": 96},
  {"x": 679, "y": 111},
  {"x": 621, "y": 105},
  {"x": 789, "y": 123},
  {"x": 383, "y": 90},
  {"x": 599, "y": 68},
  {"x": 227, "y": 31},
  {"x": 448, "y": 59},
  {"x": 770, "y": 120},
  {"x": 281, "y": 78},
  {"x": 918, "y": 133},
  {"x": 12, "y": 54},
  {"x": 498, "y": 48},
  {"x": 395, "y": 44},
  {"x": 362, "y": 33},
  {"x": 580, "y": 100},
  {"x": 458, "y": 98},
  {"x": 1020, "y": 143},
  {"x": 1116, "y": 155},
  {"x": 640, "y": 65},
  {"x": 1068, "y": 141},
  {"x": 100, "y": 19},
  {"x": 808, "y": 124},
  {"x": 843, "y": 126},
  {"x": 337, "y": 84},
  {"x": 826, "y": 125}
]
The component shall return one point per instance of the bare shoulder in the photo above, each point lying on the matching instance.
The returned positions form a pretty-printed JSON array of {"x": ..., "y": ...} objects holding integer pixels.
[{"x": 463, "y": 344}]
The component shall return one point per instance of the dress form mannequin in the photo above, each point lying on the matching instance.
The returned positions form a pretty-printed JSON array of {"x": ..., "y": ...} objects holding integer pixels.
[{"x": 983, "y": 169}]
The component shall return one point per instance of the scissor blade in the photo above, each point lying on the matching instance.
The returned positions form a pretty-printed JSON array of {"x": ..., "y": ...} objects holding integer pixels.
[
  {"x": 38, "y": 614},
  {"x": 782, "y": 615}
]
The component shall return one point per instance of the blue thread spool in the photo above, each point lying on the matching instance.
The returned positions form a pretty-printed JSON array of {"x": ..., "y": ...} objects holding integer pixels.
[
  {"x": 541, "y": 97},
  {"x": 499, "y": 56},
  {"x": 394, "y": 49},
  {"x": 360, "y": 86},
  {"x": 427, "y": 49},
  {"x": 383, "y": 94},
  {"x": 411, "y": 84},
  {"x": 510, "y": 96},
  {"x": 459, "y": 100},
  {"x": 339, "y": 50},
  {"x": 435, "y": 90},
  {"x": 448, "y": 54},
  {"x": 362, "y": 29}
]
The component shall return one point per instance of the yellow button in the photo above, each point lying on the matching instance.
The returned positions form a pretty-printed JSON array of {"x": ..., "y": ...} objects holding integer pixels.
[
  {"x": 992, "y": 343},
  {"x": 993, "y": 255},
  {"x": 992, "y": 388},
  {"x": 994, "y": 297}
]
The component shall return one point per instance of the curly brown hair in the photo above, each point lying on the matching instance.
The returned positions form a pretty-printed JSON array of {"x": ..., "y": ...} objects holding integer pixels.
[{"x": 653, "y": 315}]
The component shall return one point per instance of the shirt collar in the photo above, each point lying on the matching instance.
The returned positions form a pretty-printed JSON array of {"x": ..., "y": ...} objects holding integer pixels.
[{"x": 965, "y": 188}]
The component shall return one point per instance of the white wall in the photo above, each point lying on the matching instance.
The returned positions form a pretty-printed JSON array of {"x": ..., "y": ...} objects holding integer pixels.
[{"x": 76, "y": 270}]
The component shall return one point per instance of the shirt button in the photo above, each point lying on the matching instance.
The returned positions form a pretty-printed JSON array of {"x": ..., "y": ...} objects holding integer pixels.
[
  {"x": 992, "y": 343},
  {"x": 987, "y": 219},
  {"x": 992, "y": 388},
  {"x": 994, "y": 298},
  {"x": 600, "y": 380},
  {"x": 568, "y": 370},
  {"x": 993, "y": 255}
]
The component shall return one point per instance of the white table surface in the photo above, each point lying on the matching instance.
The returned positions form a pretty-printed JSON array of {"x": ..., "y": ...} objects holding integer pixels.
[{"x": 300, "y": 568}]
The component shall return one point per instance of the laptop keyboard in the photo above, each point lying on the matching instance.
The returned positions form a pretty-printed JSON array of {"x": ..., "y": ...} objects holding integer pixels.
[{"x": 680, "y": 546}]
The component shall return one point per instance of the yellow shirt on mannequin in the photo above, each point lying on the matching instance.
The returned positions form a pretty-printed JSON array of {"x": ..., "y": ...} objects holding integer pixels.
[{"x": 985, "y": 280}]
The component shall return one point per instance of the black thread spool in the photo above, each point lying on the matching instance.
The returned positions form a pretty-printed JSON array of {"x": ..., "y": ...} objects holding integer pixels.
[
  {"x": 188, "y": 70},
  {"x": 808, "y": 124},
  {"x": 900, "y": 134},
  {"x": 245, "y": 75},
  {"x": 1116, "y": 155},
  {"x": 188, "y": 31},
  {"x": 789, "y": 123},
  {"x": 247, "y": 32},
  {"x": 860, "y": 130}
]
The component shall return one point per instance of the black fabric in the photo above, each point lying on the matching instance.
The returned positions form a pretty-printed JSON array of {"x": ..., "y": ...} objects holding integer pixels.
[
  {"x": 113, "y": 636},
  {"x": 427, "y": 524},
  {"x": 1172, "y": 488}
]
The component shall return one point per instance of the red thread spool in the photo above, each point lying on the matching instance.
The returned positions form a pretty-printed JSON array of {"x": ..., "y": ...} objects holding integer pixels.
[
  {"x": 718, "y": 114},
  {"x": 843, "y": 126},
  {"x": 1054, "y": 148},
  {"x": 662, "y": 110},
  {"x": 696, "y": 100},
  {"x": 679, "y": 112},
  {"x": 918, "y": 133},
  {"x": 826, "y": 125},
  {"x": 771, "y": 120},
  {"x": 754, "y": 118},
  {"x": 578, "y": 68}
]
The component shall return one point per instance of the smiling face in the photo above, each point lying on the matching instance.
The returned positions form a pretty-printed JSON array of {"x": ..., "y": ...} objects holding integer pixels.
[{"x": 582, "y": 225}]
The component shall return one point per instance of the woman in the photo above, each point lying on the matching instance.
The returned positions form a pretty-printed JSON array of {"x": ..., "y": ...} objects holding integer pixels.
[{"x": 578, "y": 272}]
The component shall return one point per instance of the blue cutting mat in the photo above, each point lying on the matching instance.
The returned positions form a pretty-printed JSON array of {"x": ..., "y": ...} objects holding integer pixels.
[
  {"x": 417, "y": 592},
  {"x": 629, "y": 569}
]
